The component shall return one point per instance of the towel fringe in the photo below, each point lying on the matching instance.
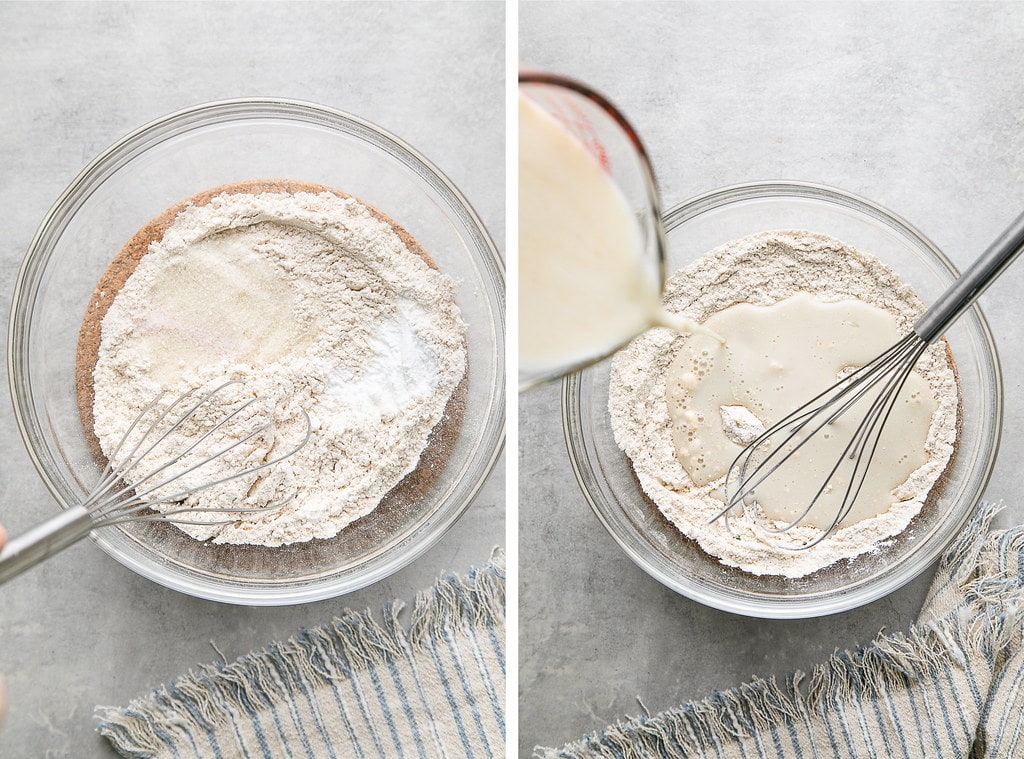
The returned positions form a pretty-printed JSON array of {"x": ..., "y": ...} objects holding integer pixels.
[
  {"x": 205, "y": 698},
  {"x": 727, "y": 716},
  {"x": 989, "y": 621}
]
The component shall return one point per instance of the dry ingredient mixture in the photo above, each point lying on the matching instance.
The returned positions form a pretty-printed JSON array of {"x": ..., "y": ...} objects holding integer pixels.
[
  {"x": 766, "y": 269},
  {"x": 313, "y": 303}
]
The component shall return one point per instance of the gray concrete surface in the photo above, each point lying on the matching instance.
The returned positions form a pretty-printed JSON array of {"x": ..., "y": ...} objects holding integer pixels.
[
  {"x": 82, "y": 630},
  {"x": 918, "y": 106}
]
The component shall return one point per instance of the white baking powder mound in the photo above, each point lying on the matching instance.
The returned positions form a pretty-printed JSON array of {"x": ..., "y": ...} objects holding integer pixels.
[
  {"x": 763, "y": 269},
  {"x": 312, "y": 304}
]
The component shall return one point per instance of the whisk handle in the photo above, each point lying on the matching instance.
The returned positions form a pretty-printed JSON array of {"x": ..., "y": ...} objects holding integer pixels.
[
  {"x": 43, "y": 541},
  {"x": 972, "y": 283}
]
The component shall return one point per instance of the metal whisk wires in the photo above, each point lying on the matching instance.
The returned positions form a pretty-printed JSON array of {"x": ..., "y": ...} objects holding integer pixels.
[
  {"x": 153, "y": 466},
  {"x": 763, "y": 457},
  {"x": 884, "y": 377},
  {"x": 123, "y": 494}
]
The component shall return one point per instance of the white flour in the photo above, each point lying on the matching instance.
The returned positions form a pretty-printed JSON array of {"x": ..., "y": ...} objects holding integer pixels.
[
  {"x": 312, "y": 303},
  {"x": 764, "y": 269}
]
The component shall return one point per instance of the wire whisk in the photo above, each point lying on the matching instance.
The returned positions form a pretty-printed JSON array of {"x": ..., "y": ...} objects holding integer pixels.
[
  {"x": 154, "y": 468},
  {"x": 878, "y": 382}
]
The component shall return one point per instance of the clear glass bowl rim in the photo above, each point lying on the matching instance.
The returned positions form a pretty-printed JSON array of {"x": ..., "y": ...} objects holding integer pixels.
[
  {"x": 798, "y": 608},
  {"x": 204, "y": 115}
]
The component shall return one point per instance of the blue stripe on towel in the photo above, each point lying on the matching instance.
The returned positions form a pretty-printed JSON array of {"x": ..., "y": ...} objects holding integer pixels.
[
  {"x": 358, "y": 693},
  {"x": 967, "y": 730},
  {"x": 828, "y": 729},
  {"x": 345, "y": 718},
  {"x": 950, "y": 735},
  {"x": 290, "y": 700},
  {"x": 407, "y": 709},
  {"x": 460, "y": 670},
  {"x": 896, "y": 721},
  {"x": 385, "y": 708},
  {"x": 1015, "y": 686},
  {"x": 418, "y": 681},
  {"x": 317, "y": 717},
  {"x": 451, "y": 702},
  {"x": 481, "y": 664},
  {"x": 776, "y": 742},
  {"x": 882, "y": 728},
  {"x": 492, "y": 695},
  {"x": 280, "y": 729},
  {"x": 284, "y": 678},
  {"x": 239, "y": 740},
  {"x": 163, "y": 736},
  {"x": 921, "y": 742},
  {"x": 793, "y": 739},
  {"x": 190, "y": 707},
  {"x": 257, "y": 725}
]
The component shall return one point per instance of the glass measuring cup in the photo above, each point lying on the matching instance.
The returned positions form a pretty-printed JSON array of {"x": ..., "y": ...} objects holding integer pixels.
[{"x": 603, "y": 132}]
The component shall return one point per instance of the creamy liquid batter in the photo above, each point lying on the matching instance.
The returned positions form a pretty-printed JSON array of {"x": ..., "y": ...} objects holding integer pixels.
[
  {"x": 775, "y": 358},
  {"x": 767, "y": 270},
  {"x": 583, "y": 282}
]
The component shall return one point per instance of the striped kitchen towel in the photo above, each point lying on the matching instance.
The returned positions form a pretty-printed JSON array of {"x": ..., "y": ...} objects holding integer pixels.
[
  {"x": 352, "y": 688},
  {"x": 953, "y": 686}
]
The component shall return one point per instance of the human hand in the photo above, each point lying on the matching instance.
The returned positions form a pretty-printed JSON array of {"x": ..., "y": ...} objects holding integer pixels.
[{"x": 3, "y": 698}]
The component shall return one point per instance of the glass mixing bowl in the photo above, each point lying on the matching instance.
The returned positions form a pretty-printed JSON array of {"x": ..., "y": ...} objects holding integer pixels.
[
  {"x": 171, "y": 159},
  {"x": 695, "y": 228}
]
